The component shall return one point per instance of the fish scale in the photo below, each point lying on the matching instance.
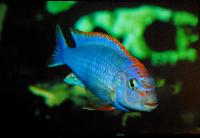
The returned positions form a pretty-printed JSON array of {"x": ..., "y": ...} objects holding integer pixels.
[{"x": 96, "y": 70}]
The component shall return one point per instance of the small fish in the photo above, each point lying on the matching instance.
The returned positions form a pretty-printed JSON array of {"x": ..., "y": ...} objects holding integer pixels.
[{"x": 101, "y": 64}]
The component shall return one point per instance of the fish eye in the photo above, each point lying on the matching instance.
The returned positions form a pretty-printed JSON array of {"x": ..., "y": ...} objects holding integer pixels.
[{"x": 132, "y": 84}]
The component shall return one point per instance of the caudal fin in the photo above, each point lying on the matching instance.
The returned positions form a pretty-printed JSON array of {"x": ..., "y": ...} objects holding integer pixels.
[{"x": 61, "y": 46}]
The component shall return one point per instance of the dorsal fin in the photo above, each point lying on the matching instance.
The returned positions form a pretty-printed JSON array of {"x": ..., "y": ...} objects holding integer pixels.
[{"x": 82, "y": 38}]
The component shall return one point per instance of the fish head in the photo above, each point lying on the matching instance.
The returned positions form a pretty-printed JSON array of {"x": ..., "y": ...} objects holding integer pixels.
[{"x": 135, "y": 93}]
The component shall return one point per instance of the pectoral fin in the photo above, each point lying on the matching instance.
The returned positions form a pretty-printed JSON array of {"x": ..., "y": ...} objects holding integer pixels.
[{"x": 72, "y": 79}]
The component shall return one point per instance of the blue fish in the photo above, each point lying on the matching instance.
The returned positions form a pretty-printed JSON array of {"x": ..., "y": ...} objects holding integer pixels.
[{"x": 101, "y": 64}]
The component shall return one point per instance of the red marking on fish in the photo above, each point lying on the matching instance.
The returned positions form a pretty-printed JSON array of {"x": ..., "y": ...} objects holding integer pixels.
[
  {"x": 142, "y": 71},
  {"x": 142, "y": 94},
  {"x": 146, "y": 85},
  {"x": 108, "y": 108}
]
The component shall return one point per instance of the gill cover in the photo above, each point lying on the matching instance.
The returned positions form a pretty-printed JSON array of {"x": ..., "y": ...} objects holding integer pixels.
[{"x": 120, "y": 88}]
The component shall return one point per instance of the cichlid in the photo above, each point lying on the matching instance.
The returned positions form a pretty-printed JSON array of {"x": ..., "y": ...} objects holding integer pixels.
[{"x": 101, "y": 64}]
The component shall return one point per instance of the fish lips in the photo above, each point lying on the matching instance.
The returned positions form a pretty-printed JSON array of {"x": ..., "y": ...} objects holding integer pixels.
[
  {"x": 150, "y": 106},
  {"x": 145, "y": 106}
]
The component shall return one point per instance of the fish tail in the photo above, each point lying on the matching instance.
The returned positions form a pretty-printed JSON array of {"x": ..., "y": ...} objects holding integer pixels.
[{"x": 61, "y": 47}]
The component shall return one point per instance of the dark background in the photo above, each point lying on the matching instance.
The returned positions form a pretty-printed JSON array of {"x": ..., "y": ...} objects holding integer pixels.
[{"x": 26, "y": 45}]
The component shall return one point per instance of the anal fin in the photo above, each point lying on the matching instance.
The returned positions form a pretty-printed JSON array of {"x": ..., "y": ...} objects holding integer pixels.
[{"x": 103, "y": 108}]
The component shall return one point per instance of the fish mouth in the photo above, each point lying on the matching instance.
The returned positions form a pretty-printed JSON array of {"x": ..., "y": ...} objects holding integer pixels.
[
  {"x": 147, "y": 107},
  {"x": 152, "y": 104}
]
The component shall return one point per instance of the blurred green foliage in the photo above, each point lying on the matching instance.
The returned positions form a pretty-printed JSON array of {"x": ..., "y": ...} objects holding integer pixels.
[
  {"x": 39, "y": 17},
  {"x": 160, "y": 83},
  {"x": 57, "y": 93},
  {"x": 131, "y": 23},
  {"x": 55, "y": 7},
  {"x": 3, "y": 9},
  {"x": 177, "y": 87},
  {"x": 188, "y": 118},
  {"x": 128, "y": 115}
]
